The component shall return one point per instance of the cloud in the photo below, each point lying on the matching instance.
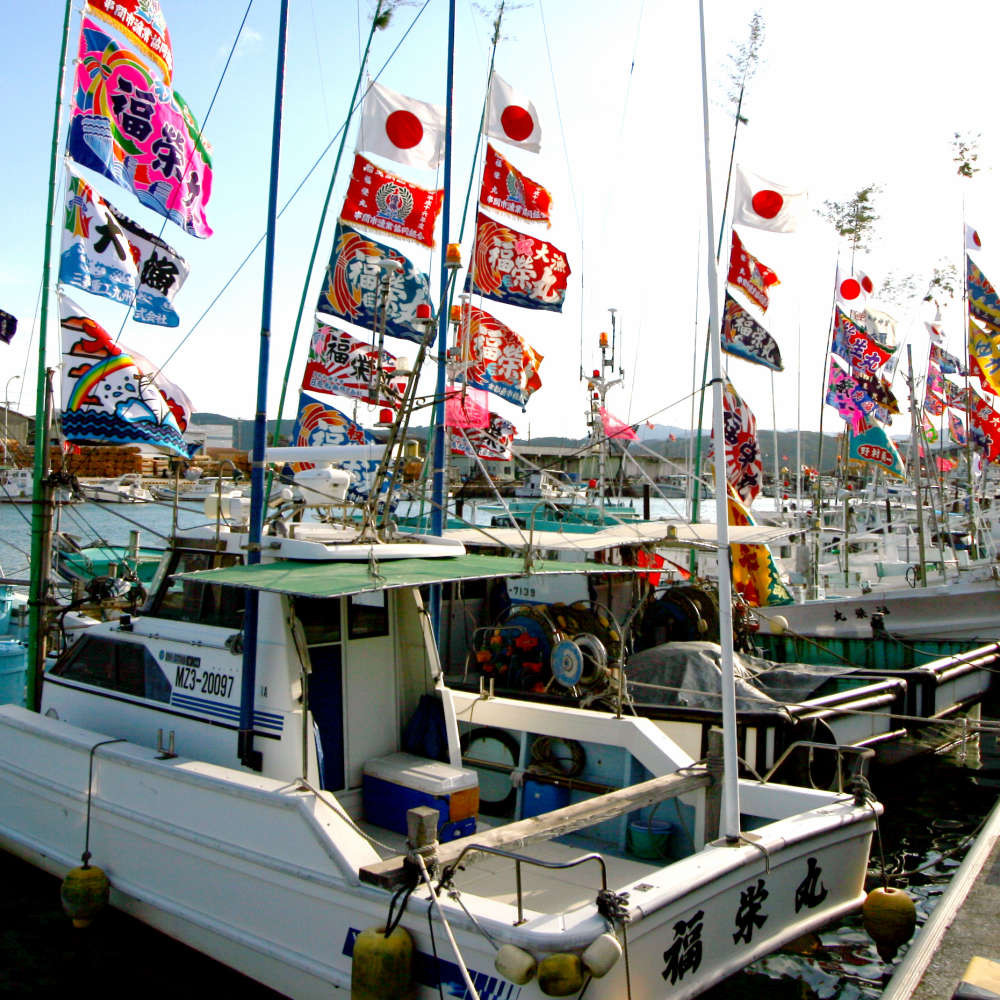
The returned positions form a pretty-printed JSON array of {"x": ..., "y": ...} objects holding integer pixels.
[{"x": 249, "y": 40}]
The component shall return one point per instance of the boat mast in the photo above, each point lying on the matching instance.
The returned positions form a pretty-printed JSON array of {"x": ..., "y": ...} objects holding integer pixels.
[
  {"x": 438, "y": 457},
  {"x": 730, "y": 819},
  {"x": 41, "y": 501},
  {"x": 248, "y": 756}
]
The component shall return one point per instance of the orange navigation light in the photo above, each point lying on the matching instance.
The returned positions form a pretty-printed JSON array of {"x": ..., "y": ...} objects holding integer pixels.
[
  {"x": 456, "y": 314},
  {"x": 453, "y": 256},
  {"x": 604, "y": 339}
]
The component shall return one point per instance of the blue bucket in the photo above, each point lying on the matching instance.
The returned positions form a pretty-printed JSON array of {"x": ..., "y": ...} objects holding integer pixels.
[
  {"x": 651, "y": 841},
  {"x": 6, "y": 601},
  {"x": 542, "y": 797},
  {"x": 13, "y": 672}
]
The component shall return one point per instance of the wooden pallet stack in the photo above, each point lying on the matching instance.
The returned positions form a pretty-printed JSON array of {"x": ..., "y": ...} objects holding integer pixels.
[{"x": 98, "y": 461}]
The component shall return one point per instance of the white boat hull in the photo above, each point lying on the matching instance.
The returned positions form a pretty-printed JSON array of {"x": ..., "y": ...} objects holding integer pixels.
[
  {"x": 955, "y": 611},
  {"x": 254, "y": 872}
]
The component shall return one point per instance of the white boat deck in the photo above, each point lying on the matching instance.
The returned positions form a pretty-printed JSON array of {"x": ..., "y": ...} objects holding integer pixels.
[{"x": 543, "y": 890}]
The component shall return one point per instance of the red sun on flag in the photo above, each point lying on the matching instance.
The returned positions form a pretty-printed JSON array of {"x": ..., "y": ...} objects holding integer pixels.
[
  {"x": 767, "y": 203},
  {"x": 517, "y": 122},
  {"x": 850, "y": 289},
  {"x": 867, "y": 284},
  {"x": 403, "y": 129}
]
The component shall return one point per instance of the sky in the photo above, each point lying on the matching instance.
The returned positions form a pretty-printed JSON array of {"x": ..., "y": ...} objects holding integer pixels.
[{"x": 846, "y": 95}]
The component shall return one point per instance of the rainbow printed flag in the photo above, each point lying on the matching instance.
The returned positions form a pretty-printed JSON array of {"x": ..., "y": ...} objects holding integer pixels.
[{"x": 110, "y": 395}]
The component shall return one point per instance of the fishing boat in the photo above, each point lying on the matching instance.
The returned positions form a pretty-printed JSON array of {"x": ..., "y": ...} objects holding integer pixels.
[
  {"x": 344, "y": 658},
  {"x": 127, "y": 488},
  {"x": 16, "y": 487}
]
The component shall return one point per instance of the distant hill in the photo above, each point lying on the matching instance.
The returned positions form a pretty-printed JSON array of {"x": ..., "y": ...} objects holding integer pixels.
[{"x": 656, "y": 439}]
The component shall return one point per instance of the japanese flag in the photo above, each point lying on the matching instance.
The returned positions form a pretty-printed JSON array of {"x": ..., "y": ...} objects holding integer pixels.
[
  {"x": 401, "y": 128},
  {"x": 855, "y": 288},
  {"x": 765, "y": 205},
  {"x": 935, "y": 333},
  {"x": 972, "y": 240},
  {"x": 512, "y": 118}
]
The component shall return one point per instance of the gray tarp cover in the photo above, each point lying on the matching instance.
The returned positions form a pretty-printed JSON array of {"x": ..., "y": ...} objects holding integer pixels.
[{"x": 696, "y": 669}]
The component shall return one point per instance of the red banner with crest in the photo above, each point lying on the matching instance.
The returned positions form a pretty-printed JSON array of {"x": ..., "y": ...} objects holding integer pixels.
[
  {"x": 381, "y": 200},
  {"x": 506, "y": 189}
]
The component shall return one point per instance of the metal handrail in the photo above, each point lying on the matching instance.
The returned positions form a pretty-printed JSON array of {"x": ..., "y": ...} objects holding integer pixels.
[{"x": 449, "y": 870}]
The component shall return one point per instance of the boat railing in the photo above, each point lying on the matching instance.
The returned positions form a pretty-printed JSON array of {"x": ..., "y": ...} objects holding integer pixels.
[
  {"x": 862, "y": 754},
  {"x": 520, "y": 859}
]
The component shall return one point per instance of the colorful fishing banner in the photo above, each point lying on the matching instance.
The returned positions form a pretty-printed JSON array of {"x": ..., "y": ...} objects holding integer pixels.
[
  {"x": 128, "y": 127},
  {"x": 142, "y": 24},
  {"x": 956, "y": 429},
  {"x": 754, "y": 573},
  {"x": 848, "y": 398},
  {"x": 616, "y": 428},
  {"x": 744, "y": 337},
  {"x": 749, "y": 275},
  {"x": 984, "y": 419},
  {"x": 109, "y": 395},
  {"x": 380, "y": 200},
  {"x": 879, "y": 390},
  {"x": 881, "y": 327},
  {"x": 354, "y": 288},
  {"x": 8, "y": 326},
  {"x": 106, "y": 253},
  {"x": 856, "y": 347},
  {"x": 492, "y": 443},
  {"x": 466, "y": 408},
  {"x": 345, "y": 366},
  {"x": 744, "y": 462},
  {"x": 927, "y": 429},
  {"x": 318, "y": 424},
  {"x": 516, "y": 268},
  {"x": 933, "y": 404},
  {"x": 984, "y": 358},
  {"x": 502, "y": 362},
  {"x": 953, "y": 395},
  {"x": 506, "y": 189},
  {"x": 983, "y": 301},
  {"x": 873, "y": 445},
  {"x": 948, "y": 363}
]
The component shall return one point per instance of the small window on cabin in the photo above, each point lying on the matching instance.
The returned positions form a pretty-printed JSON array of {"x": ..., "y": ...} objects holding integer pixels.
[
  {"x": 191, "y": 600},
  {"x": 320, "y": 618},
  {"x": 128, "y": 667},
  {"x": 367, "y": 615}
]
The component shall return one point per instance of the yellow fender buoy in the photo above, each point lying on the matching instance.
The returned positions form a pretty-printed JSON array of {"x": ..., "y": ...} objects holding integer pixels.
[
  {"x": 889, "y": 917},
  {"x": 84, "y": 893},
  {"x": 382, "y": 966},
  {"x": 779, "y": 625},
  {"x": 560, "y": 975}
]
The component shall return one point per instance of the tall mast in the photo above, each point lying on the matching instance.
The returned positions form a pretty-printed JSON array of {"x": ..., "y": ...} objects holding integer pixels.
[
  {"x": 730, "y": 819},
  {"x": 438, "y": 457},
  {"x": 41, "y": 510},
  {"x": 247, "y": 754}
]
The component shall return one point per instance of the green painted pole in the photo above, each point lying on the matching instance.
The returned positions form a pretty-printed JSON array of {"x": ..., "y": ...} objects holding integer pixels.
[
  {"x": 322, "y": 221},
  {"x": 41, "y": 505}
]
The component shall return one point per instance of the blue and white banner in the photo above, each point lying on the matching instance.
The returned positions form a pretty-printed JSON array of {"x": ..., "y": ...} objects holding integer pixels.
[
  {"x": 106, "y": 253},
  {"x": 353, "y": 288},
  {"x": 317, "y": 424}
]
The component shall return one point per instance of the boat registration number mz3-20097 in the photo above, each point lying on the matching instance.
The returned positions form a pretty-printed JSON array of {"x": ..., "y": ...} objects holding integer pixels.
[{"x": 189, "y": 675}]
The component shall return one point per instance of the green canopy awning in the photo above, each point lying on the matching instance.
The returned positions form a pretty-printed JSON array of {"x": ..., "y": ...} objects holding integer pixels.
[{"x": 337, "y": 579}]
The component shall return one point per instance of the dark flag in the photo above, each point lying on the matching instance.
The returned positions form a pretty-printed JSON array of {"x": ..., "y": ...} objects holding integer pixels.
[{"x": 8, "y": 326}]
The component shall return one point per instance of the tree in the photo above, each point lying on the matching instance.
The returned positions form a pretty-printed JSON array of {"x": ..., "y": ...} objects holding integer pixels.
[
  {"x": 743, "y": 62},
  {"x": 855, "y": 219},
  {"x": 965, "y": 153}
]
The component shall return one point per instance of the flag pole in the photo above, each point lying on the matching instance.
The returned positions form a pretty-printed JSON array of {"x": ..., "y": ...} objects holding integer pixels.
[
  {"x": 248, "y": 755},
  {"x": 730, "y": 818},
  {"x": 41, "y": 497},
  {"x": 438, "y": 462},
  {"x": 322, "y": 221}
]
